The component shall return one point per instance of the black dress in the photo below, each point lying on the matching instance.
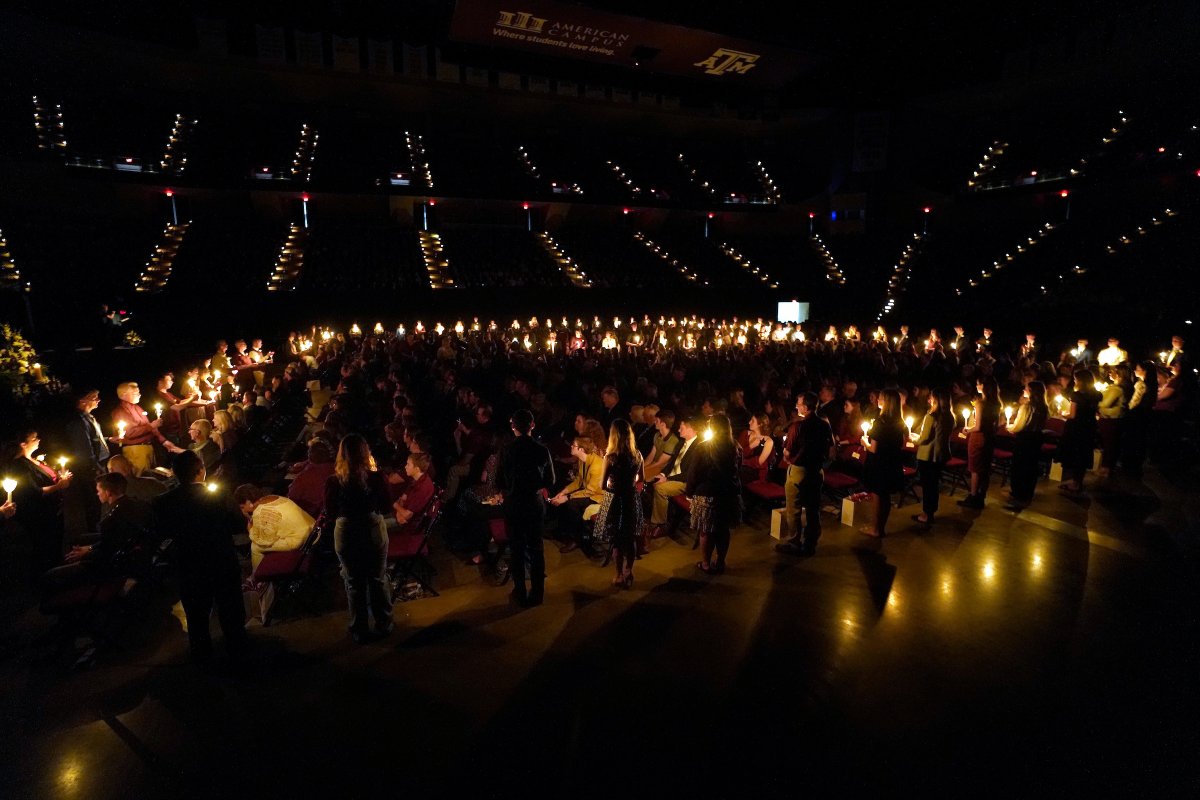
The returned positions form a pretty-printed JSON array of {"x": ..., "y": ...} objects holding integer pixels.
[
  {"x": 1078, "y": 442},
  {"x": 620, "y": 516},
  {"x": 38, "y": 512},
  {"x": 884, "y": 472}
]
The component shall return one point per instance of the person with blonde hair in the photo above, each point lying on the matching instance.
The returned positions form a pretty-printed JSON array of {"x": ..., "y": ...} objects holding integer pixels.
[
  {"x": 619, "y": 520},
  {"x": 224, "y": 433},
  {"x": 357, "y": 500}
]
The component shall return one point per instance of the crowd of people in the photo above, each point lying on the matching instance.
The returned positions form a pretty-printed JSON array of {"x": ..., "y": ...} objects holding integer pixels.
[{"x": 603, "y": 435}]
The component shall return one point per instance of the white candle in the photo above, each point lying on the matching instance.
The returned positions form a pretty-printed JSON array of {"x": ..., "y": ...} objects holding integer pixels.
[
  {"x": 9, "y": 484},
  {"x": 121, "y": 430},
  {"x": 1008, "y": 412},
  {"x": 909, "y": 422},
  {"x": 966, "y": 417},
  {"x": 158, "y": 410}
]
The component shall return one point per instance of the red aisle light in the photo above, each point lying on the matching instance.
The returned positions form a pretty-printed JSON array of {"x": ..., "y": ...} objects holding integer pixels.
[
  {"x": 1064, "y": 193},
  {"x": 525, "y": 206},
  {"x": 432, "y": 203},
  {"x": 811, "y": 215},
  {"x": 711, "y": 215},
  {"x": 170, "y": 193},
  {"x": 624, "y": 210},
  {"x": 304, "y": 197},
  {"x": 927, "y": 209}
]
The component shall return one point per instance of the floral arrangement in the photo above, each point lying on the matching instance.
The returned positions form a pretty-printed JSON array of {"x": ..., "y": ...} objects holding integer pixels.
[
  {"x": 19, "y": 367},
  {"x": 132, "y": 339}
]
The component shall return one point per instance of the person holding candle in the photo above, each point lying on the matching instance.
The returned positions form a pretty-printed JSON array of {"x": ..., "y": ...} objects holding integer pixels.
[
  {"x": 202, "y": 526},
  {"x": 169, "y": 406},
  {"x": 980, "y": 433},
  {"x": 524, "y": 473},
  {"x": 884, "y": 470},
  {"x": 1078, "y": 442},
  {"x": 807, "y": 446},
  {"x": 141, "y": 433},
  {"x": 357, "y": 501},
  {"x": 619, "y": 520},
  {"x": 715, "y": 493},
  {"x": 38, "y": 497},
  {"x": 933, "y": 451},
  {"x": 1026, "y": 428}
]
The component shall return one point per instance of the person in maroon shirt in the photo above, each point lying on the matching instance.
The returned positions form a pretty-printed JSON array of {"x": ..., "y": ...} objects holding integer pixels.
[
  {"x": 308, "y": 489},
  {"x": 139, "y": 428},
  {"x": 173, "y": 405},
  {"x": 410, "y": 508}
]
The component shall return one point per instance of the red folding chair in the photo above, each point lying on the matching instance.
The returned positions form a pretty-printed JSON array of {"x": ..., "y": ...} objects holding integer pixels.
[
  {"x": 286, "y": 575},
  {"x": 408, "y": 553}
]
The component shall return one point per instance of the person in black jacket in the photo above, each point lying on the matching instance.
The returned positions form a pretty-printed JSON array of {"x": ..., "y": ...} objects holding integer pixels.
[
  {"x": 807, "y": 445},
  {"x": 715, "y": 491},
  {"x": 525, "y": 471},
  {"x": 884, "y": 472},
  {"x": 38, "y": 499},
  {"x": 201, "y": 526}
]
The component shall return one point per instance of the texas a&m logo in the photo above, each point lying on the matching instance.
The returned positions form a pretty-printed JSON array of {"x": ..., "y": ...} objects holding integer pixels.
[
  {"x": 521, "y": 21},
  {"x": 723, "y": 61}
]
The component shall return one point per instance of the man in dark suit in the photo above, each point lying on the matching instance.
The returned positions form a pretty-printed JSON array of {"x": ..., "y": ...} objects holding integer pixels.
[
  {"x": 126, "y": 525},
  {"x": 202, "y": 527},
  {"x": 525, "y": 471},
  {"x": 672, "y": 481},
  {"x": 829, "y": 405}
]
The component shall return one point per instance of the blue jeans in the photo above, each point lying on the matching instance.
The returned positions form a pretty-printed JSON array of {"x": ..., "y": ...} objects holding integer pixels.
[{"x": 362, "y": 550}]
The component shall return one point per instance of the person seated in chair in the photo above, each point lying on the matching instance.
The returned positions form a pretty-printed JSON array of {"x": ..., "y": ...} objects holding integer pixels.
[
  {"x": 585, "y": 489},
  {"x": 203, "y": 445},
  {"x": 275, "y": 524},
  {"x": 411, "y": 507},
  {"x": 126, "y": 525},
  {"x": 672, "y": 481}
]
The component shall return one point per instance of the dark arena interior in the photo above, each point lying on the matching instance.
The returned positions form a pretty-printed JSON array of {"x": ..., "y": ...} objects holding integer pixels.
[{"x": 599, "y": 399}]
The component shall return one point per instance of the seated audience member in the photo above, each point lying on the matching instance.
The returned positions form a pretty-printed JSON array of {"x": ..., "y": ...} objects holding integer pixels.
[
  {"x": 137, "y": 487},
  {"x": 411, "y": 507},
  {"x": 756, "y": 445},
  {"x": 203, "y": 445},
  {"x": 308, "y": 487},
  {"x": 644, "y": 430},
  {"x": 224, "y": 433},
  {"x": 128, "y": 523},
  {"x": 672, "y": 481},
  {"x": 275, "y": 524},
  {"x": 666, "y": 444},
  {"x": 571, "y": 504}
]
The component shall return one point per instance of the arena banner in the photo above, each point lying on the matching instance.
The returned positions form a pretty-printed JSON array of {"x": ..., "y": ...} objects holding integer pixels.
[{"x": 554, "y": 28}]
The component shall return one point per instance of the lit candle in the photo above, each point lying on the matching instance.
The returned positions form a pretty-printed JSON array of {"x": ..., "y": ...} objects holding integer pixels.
[
  {"x": 966, "y": 417},
  {"x": 9, "y": 484},
  {"x": 866, "y": 429},
  {"x": 1008, "y": 412},
  {"x": 708, "y": 434},
  {"x": 212, "y": 487},
  {"x": 378, "y": 329},
  {"x": 954, "y": 345},
  {"x": 458, "y": 328},
  {"x": 62, "y": 464},
  {"x": 909, "y": 422},
  {"x": 216, "y": 374},
  {"x": 38, "y": 375},
  {"x": 355, "y": 330},
  {"x": 158, "y": 410},
  {"x": 439, "y": 329},
  {"x": 121, "y": 430},
  {"x": 212, "y": 395},
  {"x": 1161, "y": 357}
]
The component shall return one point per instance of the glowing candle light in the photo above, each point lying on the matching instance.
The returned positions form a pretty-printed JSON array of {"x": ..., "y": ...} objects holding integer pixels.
[
  {"x": 9, "y": 484},
  {"x": 216, "y": 374},
  {"x": 62, "y": 464},
  {"x": 378, "y": 329},
  {"x": 966, "y": 417},
  {"x": 1161, "y": 357},
  {"x": 121, "y": 430},
  {"x": 909, "y": 422},
  {"x": 355, "y": 330},
  {"x": 1008, "y": 413},
  {"x": 212, "y": 487},
  {"x": 708, "y": 434},
  {"x": 439, "y": 329},
  {"x": 458, "y": 328},
  {"x": 158, "y": 410}
]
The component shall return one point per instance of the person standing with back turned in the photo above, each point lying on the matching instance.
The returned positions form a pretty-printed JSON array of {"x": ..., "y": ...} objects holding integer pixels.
[{"x": 524, "y": 472}]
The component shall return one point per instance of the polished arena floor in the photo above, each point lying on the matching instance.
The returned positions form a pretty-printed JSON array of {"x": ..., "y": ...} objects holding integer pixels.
[{"x": 1049, "y": 652}]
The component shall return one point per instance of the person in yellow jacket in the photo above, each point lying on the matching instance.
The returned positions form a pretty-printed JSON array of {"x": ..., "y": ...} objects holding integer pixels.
[{"x": 580, "y": 499}]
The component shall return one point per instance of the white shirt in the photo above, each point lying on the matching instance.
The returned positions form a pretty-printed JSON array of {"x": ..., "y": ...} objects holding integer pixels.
[{"x": 1111, "y": 356}]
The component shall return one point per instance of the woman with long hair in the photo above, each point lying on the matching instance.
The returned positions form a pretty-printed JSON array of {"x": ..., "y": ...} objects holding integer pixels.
[
  {"x": 981, "y": 439},
  {"x": 884, "y": 472},
  {"x": 756, "y": 445},
  {"x": 1114, "y": 404},
  {"x": 933, "y": 451},
  {"x": 1026, "y": 429},
  {"x": 39, "y": 501},
  {"x": 620, "y": 517},
  {"x": 715, "y": 492},
  {"x": 356, "y": 499},
  {"x": 1077, "y": 446},
  {"x": 224, "y": 433}
]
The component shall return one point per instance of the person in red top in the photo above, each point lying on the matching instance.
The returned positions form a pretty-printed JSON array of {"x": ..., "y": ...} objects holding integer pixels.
[
  {"x": 141, "y": 433},
  {"x": 411, "y": 506},
  {"x": 241, "y": 357},
  {"x": 308, "y": 489}
]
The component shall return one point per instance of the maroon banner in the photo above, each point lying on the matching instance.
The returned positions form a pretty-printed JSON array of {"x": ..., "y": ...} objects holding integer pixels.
[{"x": 548, "y": 27}]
